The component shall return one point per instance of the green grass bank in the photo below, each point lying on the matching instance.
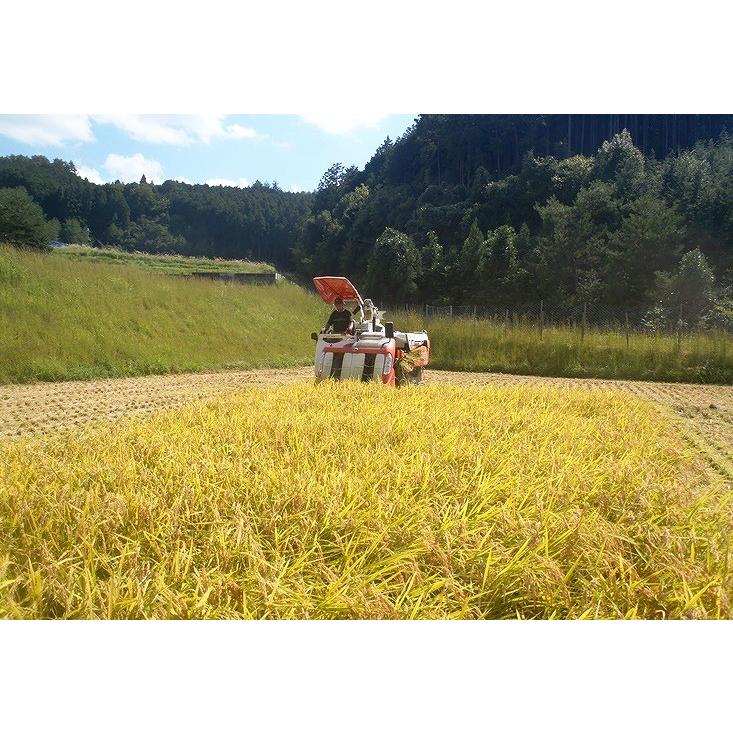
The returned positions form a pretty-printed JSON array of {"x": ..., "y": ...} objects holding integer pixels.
[
  {"x": 167, "y": 264},
  {"x": 63, "y": 318}
]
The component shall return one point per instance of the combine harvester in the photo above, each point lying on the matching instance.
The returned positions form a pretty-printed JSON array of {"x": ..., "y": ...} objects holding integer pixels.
[{"x": 372, "y": 351}]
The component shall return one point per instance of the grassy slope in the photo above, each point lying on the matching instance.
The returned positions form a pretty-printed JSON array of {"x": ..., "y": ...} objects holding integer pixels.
[
  {"x": 170, "y": 264},
  {"x": 61, "y": 318},
  {"x": 457, "y": 503},
  {"x": 465, "y": 345}
]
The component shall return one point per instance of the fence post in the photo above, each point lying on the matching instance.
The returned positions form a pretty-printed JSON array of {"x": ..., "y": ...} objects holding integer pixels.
[
  {"x": 506, "y": 322},
  {"x": 679, "y": 328},
  {"x": 451, "y": 310},
  {"x": 426, "y": 310},
  {"x": 584, "y": 325},
  {"x": 542, "y": 317},
  {"x": 474, "y": 312},
  {"x": 627, "y": 328}
]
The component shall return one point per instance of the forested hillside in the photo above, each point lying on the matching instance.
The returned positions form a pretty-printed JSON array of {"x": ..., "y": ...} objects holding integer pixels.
[
  {"x": 506, "y": 209},
  {"x": 632, "y": 210},
  {"x": 258, "y": 222}
]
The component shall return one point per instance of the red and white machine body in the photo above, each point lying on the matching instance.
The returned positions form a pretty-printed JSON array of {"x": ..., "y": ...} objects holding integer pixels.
[{"x": 374, "y": 351}]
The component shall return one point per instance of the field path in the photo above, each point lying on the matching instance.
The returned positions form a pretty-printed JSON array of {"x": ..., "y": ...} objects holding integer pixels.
[
  {"x": 703, "y": 412},
  {"x": 33, "y": 408}
]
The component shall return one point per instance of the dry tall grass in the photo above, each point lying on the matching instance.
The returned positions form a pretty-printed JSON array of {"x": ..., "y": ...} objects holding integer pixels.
[
  {"x": 489, "y": 346},
  {"x": 354, "y": 501}
]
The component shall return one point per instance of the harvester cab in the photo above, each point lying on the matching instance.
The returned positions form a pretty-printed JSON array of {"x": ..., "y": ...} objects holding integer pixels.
[{"x": 374, "y": 351}]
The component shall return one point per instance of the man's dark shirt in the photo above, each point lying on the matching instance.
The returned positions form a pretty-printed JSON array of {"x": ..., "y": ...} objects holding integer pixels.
[{"x": 340, "y": 320}]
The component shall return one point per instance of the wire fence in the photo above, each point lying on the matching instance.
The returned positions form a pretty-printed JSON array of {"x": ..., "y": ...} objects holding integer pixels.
[{"x": 581, "y": 316}]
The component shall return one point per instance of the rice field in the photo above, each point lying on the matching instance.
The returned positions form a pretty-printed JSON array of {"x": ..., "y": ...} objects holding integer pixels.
[{"x": 352, "y": 501}]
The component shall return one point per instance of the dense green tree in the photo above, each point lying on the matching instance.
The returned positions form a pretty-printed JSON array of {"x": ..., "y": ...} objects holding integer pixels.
[
  {"x": 694, "y": 286},
  {"x": 573, "y": 244},
  {"x": 555, "y": 255},
  {"x": 146, "y": 235},
  {"x": 109, "y": 208},
  {"x": 146, "y": 200},
  {"x": 700, "y": 184},
  {"x": 620, "y": 162},
  {"x": 21, "y": 220},
  {"x": 597, "y": 215},
  {"x": 570, "y": 176},
  {"x": 53, "y": 229},
  {"x": 330, "y": 187},
  {"x": 434, "y": 281},
  {"x": 650, "y": 240},
  {"x": 352, "y": 202},
  {"x": 687, "y": 296},
  {"x": 394, "y": 268},
  {"x": 72, "y": 232},
  {"x": 469, "y": 260},
  {"x": 500, "y": 271}
]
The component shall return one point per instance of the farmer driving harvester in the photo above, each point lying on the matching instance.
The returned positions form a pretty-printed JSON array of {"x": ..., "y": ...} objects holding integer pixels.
[
  {"x": 340, "y": 320},
  {"x": 360, "y": 346}
]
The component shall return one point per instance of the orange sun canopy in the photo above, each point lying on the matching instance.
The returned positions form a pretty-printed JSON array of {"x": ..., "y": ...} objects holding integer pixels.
[{"x": 330, "y": 288}]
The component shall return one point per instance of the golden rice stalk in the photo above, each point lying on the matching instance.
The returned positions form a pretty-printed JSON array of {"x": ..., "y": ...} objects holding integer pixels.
[{"x": 355, "y": 501}]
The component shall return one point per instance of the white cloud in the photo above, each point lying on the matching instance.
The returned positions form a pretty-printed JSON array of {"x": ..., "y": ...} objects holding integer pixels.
[
  {"x": 146, "y": 128},
  {"x": 129, "y": 169},
  {"x": 239, "y": 132},
  {"x": 236, "y": 183},
  {"x": 177, "y": 129},
  {"x": 181, "y": 179},
  {"x": 51, "y": 130},
  {"x": 295, "y": 189},
  {"x": 343, "y": 124},
  {"x": 91, "y": 174}
]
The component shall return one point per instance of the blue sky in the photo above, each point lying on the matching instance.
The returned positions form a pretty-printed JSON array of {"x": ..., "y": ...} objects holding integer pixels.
[{"x": 293, "y": 150}]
